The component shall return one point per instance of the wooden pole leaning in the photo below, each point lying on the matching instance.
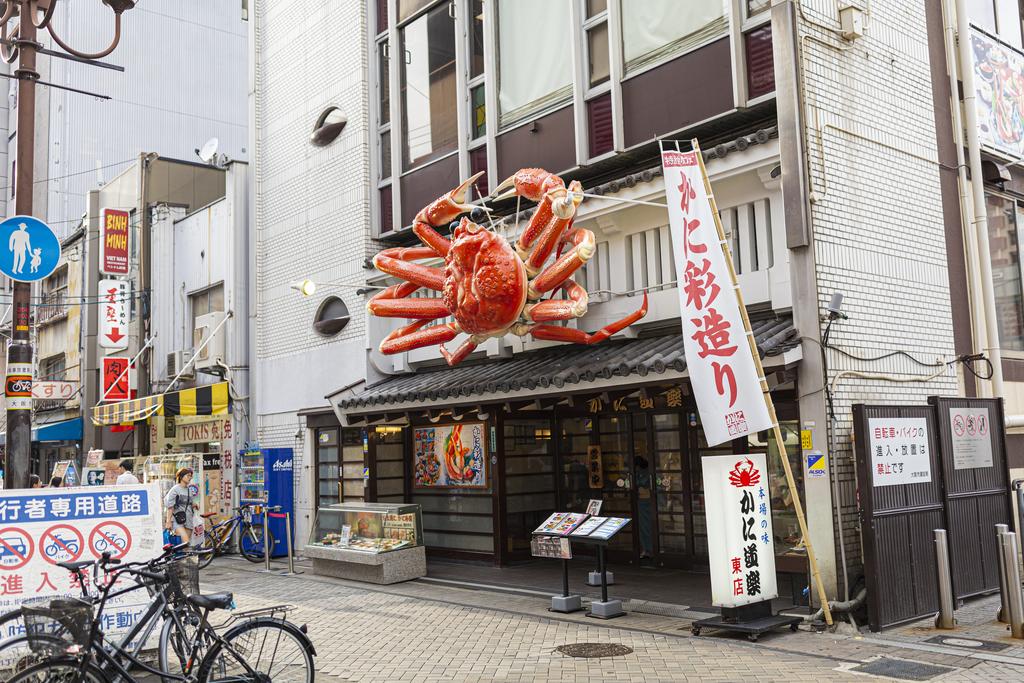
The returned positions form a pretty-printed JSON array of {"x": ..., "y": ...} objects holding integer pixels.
[{"x": 765, "y": 391}]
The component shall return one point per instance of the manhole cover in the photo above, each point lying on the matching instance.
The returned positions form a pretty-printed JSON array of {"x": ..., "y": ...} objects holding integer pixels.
[
  {"x": 902, "y": 669},
  {"x": 594, "y": 650},
  {"x": 985, "y": 645}
]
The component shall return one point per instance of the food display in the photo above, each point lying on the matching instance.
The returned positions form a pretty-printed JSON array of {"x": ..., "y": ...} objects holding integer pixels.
[{"x": 368, "y": 527}]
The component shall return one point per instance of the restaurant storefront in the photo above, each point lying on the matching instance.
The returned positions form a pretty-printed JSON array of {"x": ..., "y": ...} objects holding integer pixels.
[{"x": 491, "y": 450}]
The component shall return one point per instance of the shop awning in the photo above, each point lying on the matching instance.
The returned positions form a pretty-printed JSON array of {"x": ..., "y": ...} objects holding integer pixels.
[
  {"x": 569, "y": 368},
  {"x": 66, "y": 430},
  {"x": 212, "y": 399}
]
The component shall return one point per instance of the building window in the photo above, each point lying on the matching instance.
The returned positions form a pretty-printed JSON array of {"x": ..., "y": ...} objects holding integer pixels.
[
  {"x": 760, "y": 61},
  {"x": 245, "y": 10},
  {"x": 52, "y": 368},
  {"x": 478, "y": 164},
  {"x": 540, "y": 29},
  {"x": 599, "y": 120},
  {"x": 1004, "y": 221},
  {"x": 476, "y": 39},
  {"x": 386, "y": 214},
  {"x": 596, "y": 28},
  {"x": 647, "y": 37},
  {"x": 54, "y": 296},
  {"x": 328, "y": 467},
  {"x": 209, "y": 300},
  {"x": 430, "y": 124},
  {"x": 1001, "y": 18}
]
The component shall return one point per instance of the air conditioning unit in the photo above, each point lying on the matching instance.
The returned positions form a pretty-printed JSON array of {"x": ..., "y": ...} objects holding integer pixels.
[
  {"x": 176, "y": 360},
  {"x": 212, "y": 354}
]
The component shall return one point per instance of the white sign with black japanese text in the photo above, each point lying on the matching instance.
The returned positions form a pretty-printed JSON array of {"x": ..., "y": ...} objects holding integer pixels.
[
  {"x": 970, "y": 429},
  {"x": 900, "y": 452},
  {"x": 114, "y": 298},
  {"x": 722, "y": 371},
  {"x": 741, "y": 548}
]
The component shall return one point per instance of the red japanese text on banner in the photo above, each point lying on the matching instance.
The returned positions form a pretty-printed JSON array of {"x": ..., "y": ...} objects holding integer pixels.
[
  {"x": 737, "y": 503},
  {"x": 722, "y": 371}
]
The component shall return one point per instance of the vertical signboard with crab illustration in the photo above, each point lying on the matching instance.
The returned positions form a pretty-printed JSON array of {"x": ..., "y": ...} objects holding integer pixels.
[
  {"x": 739, "y": 515},
  {"x": 450, "y": 456}
]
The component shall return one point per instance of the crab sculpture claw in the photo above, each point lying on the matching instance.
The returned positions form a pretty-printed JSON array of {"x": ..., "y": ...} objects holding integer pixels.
[{"x": 441, "y": 212}]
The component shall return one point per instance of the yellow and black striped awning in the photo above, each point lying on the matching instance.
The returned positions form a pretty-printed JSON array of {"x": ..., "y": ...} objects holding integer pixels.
[{"x": 212, "y": 399}]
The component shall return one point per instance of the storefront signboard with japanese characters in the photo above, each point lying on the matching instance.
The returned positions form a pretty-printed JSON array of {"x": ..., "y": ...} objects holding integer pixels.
[
  {"x": 722, "y": 371},
  {"x": 114, "y": 234},
  {"x": 971, "y": 437},
  {"x": 114, "y": 299},
  {"x": 739, "y": 518},
  {"x": 41, "y": 527},
  {"x": 900, "y": 451}
]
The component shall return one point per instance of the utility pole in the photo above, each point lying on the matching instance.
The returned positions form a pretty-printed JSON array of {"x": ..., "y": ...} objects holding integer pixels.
[{"x": 22, "y": 45}]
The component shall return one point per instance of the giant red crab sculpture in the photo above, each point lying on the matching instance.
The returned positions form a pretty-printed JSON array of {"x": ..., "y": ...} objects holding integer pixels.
[{"x": 490, "y": 288}]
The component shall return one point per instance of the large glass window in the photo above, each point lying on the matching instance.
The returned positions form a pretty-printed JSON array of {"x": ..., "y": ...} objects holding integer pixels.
[
  {"x": 529, "y": 479},
  {"x": 1004, "y": 218},
  {"x": 534, "y": 58},
  {"x": 430, "y": 126},
  {"x": 998, "y": 17},
  {"x": 647, "y": 37}
]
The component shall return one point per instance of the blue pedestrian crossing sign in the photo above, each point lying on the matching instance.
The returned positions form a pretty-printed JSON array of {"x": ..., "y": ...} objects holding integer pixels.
[{"x": 29, "y": 250}]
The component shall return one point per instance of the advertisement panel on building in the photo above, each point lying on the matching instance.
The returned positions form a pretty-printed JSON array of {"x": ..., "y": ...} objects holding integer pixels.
[
  {"x": 42, "y": 527},
  {"x": 114, "y": 242},
  {"x": 998, "y": 75},
  {"x": 739, "y": 516},
  {"x": 722, "y": 372}
]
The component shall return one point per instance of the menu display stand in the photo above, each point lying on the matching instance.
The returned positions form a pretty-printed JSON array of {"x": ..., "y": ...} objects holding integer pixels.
[{"x": 557, "y": 526}]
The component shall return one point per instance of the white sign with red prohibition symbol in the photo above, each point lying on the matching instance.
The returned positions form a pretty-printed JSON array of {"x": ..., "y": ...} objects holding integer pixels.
[
  {"x": 110, "y": 537},
  {"x": 972, "y": 438},
  {"x": 15, "y": 548},
  {"x": 61, "y": 543},
  {"x": 718, "y": 358},
  {"x": 737, "y": 501}
]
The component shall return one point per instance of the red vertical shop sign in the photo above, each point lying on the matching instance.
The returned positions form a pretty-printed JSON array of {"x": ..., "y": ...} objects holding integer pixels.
[{"x": 114, "y": 242}]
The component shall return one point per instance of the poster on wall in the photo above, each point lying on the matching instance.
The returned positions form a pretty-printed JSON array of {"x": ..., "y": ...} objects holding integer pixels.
[
  {"x": 972, "y": 440},
  {"x": 450, "y": 456},
  {"x": 900, "y": 452},
  {"x": 739, "y": 516},
  {"x": 722, "y": 371},
  {"x": 998, "y": 83}
]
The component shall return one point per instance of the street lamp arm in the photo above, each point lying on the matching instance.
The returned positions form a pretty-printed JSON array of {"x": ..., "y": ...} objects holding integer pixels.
[
  {"x": 8, "y": 50},
  {"x": 87, "y": 55},
  {"x": 46, "y": 16}
]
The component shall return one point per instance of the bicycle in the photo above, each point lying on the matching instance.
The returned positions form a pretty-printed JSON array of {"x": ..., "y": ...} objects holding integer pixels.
[
  {"x": 20, "y": 649},
  {"x": 259, "y": 650},
  {"x": 250, "y": 536}
]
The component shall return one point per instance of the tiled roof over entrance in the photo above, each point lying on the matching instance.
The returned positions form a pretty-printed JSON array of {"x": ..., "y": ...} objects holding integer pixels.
[{"x": 558, "y": 367}]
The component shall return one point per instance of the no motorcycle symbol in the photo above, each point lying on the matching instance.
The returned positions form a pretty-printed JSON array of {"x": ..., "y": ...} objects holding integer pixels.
[
  {"x": 110, "y": 537},
  {"x": 61, "y": 543}
]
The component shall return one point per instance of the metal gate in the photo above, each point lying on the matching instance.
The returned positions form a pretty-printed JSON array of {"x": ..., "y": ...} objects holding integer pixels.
[
  {"x": 962, "y": 486},
  {"x": 897, "y": 519},
  {"x": 975, "y": 488}
]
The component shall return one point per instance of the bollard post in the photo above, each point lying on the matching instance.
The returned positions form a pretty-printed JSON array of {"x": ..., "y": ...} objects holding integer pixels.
[
  {"x": 266, "y": 537},
  {"x": 1008, "y": 549},
  {"x": 1004, "y": 593},
  {"x": 288, "y": 540},
  {"x": 1018, "y": 486},
  {"x": 944, "y": 619}
]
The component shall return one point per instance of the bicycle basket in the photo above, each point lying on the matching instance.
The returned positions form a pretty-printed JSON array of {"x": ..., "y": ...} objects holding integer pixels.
[
  {"x": 66, "y": 619},
  {"x": 183, "y": 574}
]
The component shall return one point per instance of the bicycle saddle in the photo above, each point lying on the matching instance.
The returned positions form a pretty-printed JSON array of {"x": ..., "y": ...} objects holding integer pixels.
[
  {"x": 207, "y": 515},
  {"x": 212, "y": 601},
  {"x": 75, "y": 566}
]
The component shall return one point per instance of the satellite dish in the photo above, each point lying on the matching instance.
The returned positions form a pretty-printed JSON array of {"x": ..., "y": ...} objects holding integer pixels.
[{"x": 208, "y": 153}]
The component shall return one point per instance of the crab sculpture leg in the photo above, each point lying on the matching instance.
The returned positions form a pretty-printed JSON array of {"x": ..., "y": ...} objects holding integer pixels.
[{"x": 394, "y": 302}]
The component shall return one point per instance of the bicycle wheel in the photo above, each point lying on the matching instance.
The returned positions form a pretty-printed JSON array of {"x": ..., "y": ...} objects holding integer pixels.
[
  {"x": 208, "y": 550},
  {"x": 16, "y": 655},
  {"x": 250, "y": 542},
  {"x": 260, "y": 651},
  {"x": 10, "y": 624},
  {"x": 176, "y": 643},
  {"x": 60, "y": 670}
]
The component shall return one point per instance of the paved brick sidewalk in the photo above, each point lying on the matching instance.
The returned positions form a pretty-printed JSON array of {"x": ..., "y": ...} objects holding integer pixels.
[{"x": 423, "y": 632}]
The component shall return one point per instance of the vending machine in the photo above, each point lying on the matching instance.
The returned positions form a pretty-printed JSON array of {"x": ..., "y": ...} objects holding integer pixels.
[{"x": 265, "y": 479}]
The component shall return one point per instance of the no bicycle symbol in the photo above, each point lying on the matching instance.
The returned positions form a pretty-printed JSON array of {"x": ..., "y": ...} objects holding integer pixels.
[
  {"x": 61, "y": 543},
  {"x": 110, "y": 537},
  {"x": 15, "y": 548}
]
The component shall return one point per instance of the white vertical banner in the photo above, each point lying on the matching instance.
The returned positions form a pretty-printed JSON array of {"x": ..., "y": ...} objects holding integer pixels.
[
  {"x": 741, "y": 548},
  {"x": 722, "y": 371}
]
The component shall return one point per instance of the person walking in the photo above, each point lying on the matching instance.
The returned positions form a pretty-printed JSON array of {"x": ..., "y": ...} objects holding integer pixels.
[
  {"x": 19, "y": 244},
  {"x": 125, "y": 476},
  {"x": 180, "y": 518}
]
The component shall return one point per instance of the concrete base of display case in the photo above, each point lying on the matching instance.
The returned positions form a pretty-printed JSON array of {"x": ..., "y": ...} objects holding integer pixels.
[{"x": 391, "y": 567}]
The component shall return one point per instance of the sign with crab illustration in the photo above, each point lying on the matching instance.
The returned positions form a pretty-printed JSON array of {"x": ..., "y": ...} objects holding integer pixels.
[
  {"x": 488, "y": 286},
  {"x": 739, "y": 515},
  {"x": 450, "y": 456}
]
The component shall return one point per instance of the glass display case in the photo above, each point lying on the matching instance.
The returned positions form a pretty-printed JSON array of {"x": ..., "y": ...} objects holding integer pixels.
[{"x": 368, "y": 527}]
